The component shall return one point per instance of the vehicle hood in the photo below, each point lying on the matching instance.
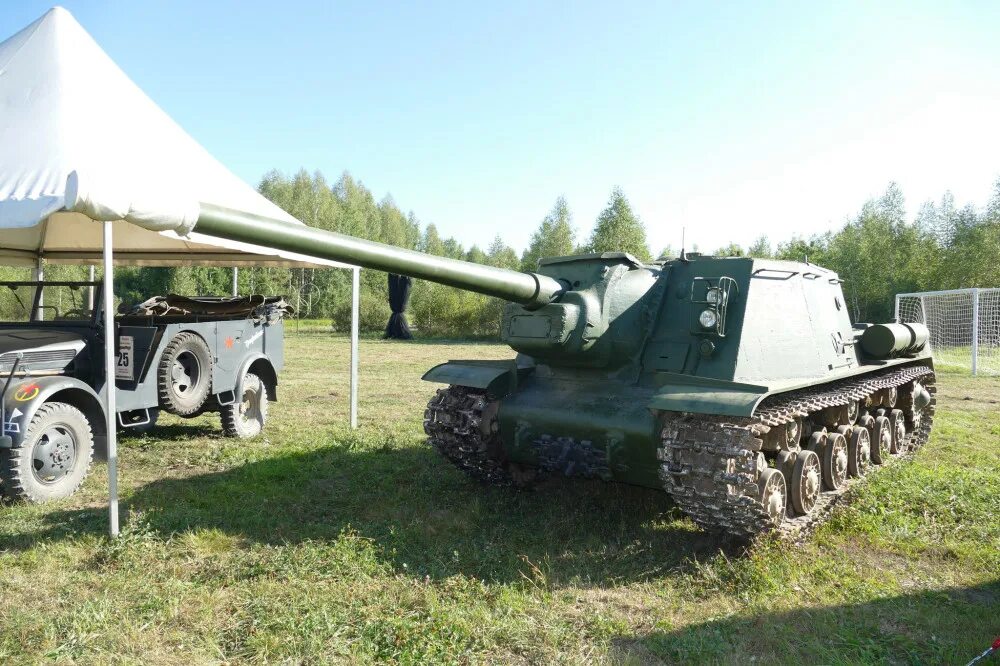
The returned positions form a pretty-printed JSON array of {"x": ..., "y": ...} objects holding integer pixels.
[{"x": 40, "y": 339}]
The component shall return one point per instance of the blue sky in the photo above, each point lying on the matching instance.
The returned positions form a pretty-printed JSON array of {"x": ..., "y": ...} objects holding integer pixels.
[{"x": 731, "y": 119}]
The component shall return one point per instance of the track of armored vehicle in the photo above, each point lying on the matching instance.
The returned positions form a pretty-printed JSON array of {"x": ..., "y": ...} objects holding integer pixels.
[{"x": 716, "y": 468}]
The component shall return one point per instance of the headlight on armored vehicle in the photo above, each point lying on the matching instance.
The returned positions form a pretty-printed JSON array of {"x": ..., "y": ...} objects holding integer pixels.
[
  {"x": 715, "y": 296},
  {"x": 708, "y": 318}
]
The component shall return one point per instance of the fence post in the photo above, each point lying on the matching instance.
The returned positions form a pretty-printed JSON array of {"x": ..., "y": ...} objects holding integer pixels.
[{"x": 975, "y": 329}]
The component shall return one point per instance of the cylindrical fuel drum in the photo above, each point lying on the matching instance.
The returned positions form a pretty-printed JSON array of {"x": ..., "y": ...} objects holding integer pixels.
[{"x": 891, "y": 340}]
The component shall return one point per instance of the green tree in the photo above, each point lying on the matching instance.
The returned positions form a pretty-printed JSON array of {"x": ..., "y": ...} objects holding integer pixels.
[
  {"x": 992, "y": 213},
  {"x": 618, "y": 229},
  {"x": 731, "y": 250},
  {"x": 761, "y": 248},
  {"x": 476, "y": 255},
  {"x": 553, "y": 238},
  {"x": 431, "y": 242},
  {"x": 501, "y": 255}
]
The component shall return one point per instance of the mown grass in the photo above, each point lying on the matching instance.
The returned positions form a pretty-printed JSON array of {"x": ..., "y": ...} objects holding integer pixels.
[{"x": 317, "y": 544}]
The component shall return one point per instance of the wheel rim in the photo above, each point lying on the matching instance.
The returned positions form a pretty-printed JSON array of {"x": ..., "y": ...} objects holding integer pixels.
[
  {"x": 185, "y": 372},
  {"x": 899, "y": 437},
  {"x": 54, "y": 454},
  {"x": 883, "y": 440},
  {"x": 835, "y": 461},
  {"x": 773, "y": 495},
  {"x": 897, "y": 422},
  {"x": 250, "y": 406},
  {"x": 860, "y": 452},
  {"x": 806, "y": 481}
]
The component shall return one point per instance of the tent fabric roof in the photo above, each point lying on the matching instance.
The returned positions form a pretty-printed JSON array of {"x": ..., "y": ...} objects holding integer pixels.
[{"x": 66, "y": 107}]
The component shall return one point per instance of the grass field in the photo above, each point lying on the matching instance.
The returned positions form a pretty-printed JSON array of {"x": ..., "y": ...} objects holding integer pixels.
[{"x": 317, "y": 544}]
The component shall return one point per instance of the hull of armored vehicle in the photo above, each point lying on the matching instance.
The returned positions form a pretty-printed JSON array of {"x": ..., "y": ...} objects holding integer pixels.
[
  {"x": 758, "y": 421},
  {"x": 739, "y": 386}
]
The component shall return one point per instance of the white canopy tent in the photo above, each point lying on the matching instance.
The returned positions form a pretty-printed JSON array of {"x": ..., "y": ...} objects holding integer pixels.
[{"x": 72, "y": 124}]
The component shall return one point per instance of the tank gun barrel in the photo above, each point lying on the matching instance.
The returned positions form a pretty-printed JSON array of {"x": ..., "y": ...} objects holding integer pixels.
[{"x": 528, "y": 289}]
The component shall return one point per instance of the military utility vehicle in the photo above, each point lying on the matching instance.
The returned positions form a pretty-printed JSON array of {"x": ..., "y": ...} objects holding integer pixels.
[
  {"x": 739, "y": 386},
  {"x": 183, "y": 355}
]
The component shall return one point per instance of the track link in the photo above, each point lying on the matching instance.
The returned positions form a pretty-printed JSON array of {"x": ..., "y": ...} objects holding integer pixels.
[
  {"x": 459, "y": 424},
  {"x": 710, "y": 465}
]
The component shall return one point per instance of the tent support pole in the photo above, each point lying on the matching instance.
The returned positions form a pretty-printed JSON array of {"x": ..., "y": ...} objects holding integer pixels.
[
  {"x": 236, "y": 281},
  {"x": 355, "y": 308},
  {"x": 90, "y": 290},
  {"x": 110, "y": 413},
  {"x": 39, "y": 277}
]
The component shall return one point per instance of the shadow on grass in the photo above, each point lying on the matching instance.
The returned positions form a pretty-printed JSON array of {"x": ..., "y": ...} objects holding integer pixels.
[
  {"x": 423, "y": 515},
  {"x": 182, "y": 431},
  {"x": 948, "y": 626}
]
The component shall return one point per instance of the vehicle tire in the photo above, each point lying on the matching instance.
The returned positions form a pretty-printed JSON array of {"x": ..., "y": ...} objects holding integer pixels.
[
  {"x": 247, "y": 416},
  {"x": 53, "y": 458},
  {"x": 184, "y": 375}
]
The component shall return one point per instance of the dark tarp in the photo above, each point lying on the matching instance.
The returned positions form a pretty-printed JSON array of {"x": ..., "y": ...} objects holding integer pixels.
[
  {"x": 399, "y": 298},
  {"x": 271, "y": 308}
]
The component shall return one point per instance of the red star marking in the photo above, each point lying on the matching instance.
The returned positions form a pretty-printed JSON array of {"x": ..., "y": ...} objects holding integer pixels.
[{"x": 229, "y": 343}]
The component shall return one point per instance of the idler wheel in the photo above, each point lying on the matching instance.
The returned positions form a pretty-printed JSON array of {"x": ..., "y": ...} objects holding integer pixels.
[
  {"x": 835, "y": 461},
  {"x": 914, "y": 400},
  {"x": 807, "y": 481},
  {"x": 898, "y": 422},
  {"x": 773, "y": 494},
  {"x": 859, "y": 452}
]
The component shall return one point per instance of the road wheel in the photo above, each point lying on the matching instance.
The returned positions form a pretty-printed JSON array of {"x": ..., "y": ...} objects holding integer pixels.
[
  {"x": 53, "y": 458},
  {"x": 900, "y": 443},
  {"x": 881, "y": 440},
  {"x": 246, "y": 417},
  {"x": 835, "y": 461},
  {"x": 184, "y": 376},
  {"x": 859, "y": 452},
  {"x": 807, "y": 481},
  {"x": 773, "y": 494}
]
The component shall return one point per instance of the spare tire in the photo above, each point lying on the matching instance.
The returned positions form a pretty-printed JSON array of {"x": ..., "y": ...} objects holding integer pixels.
[{"x": 184, "y": 376}]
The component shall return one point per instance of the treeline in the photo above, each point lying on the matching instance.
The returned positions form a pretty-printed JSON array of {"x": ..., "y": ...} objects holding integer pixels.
[{"x": 879, "y": 252}]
